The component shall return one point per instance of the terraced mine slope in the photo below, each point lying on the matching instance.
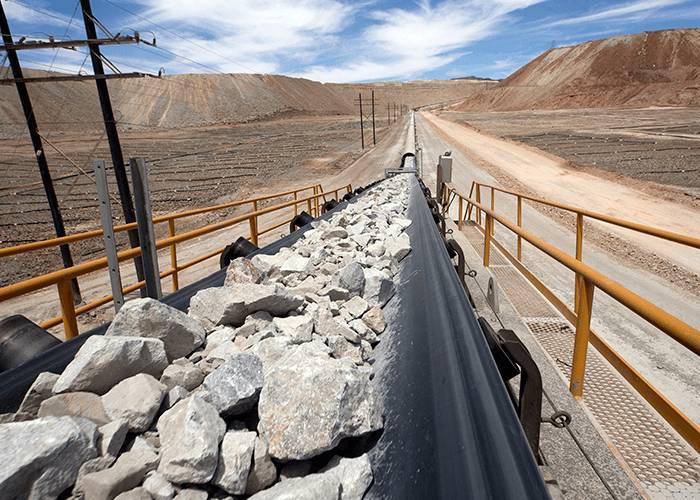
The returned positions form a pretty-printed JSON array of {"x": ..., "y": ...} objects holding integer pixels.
[{"x": 660, "y": 68}]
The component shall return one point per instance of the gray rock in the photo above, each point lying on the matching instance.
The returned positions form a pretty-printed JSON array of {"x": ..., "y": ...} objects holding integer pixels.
[
  {"x": 126, "y": 473},
  {"x": 263, "y": 471},
  {"x": 310, "y": 401},
  {"x": 187, "y": 375},
  {"x": 136, "y": 400},
  {"x": 190, "y": 433},
  {"x": 364, "y": 331},
  {"x": 191, "y": 494},
  {"x": 112, "y": 436},
  {"x": 334, "y": 232},
  {"x": 356, "y": 306},
  {"x": 75, "y": 404},
  {"x": 352, "y": 278},
  {"x": 234, "y": 387},
  {"x": 235, "y": 458},
  {"x": 327, "y": 326},
  {"x": 270, "y": 350},
  {"x": 158, "y": 487},
  {"x": 354, "y": 474},
  {"x": 40, "y": 390},
  {"x": 341, "y": 348},
  {"x": 231, "y": 305},
  {"x": 298, "y": 328},
  {"x": 335, "y": 293},
  {"x": 374, "y": 318},
  {"x": 398, "y": 247},
  {"x": 379, "y": 288},
  {"x": 242, "y": 270},
  {"x": 311, "y": 487},
  {"x": 376, "y": 249},
  {"x": 151, "y": 318},
  {"x": 41, "y": 458},
  {"x": 174, "y": 395},
  {"x": 294, "y": 264},
  {"x": 223, "y": 352},
  {"x": 139, "y": 493},
  {"x": 93, "y": 465},
  {"x": 220, "y": 335},
  {"x": 104, "y": 361}
]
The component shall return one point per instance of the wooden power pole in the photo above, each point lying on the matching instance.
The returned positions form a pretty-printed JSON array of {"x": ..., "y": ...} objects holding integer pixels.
[
  {"x": 362, "y": 123},
  {"x": 29, "y": 116},
  {"x": 374, "y": 134}
]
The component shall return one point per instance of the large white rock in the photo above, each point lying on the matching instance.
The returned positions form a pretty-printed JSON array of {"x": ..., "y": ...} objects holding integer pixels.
[
  {"x": 298, "y": 328},
  {"x": 147, "y": 317},
  {"x": 263, "y": 471},
  {"x": 104, "y": 361},
  {"x": 136, "y": 400},
  {"x": 40, "y": 390},
  {"x": 270, "y": 350},
  {"x": 75, "y": 404},
  {"x": 311, "y": 487},
  {"x": 398, "y": 247},
  {"x": 233, "y": 388},
  {"x": 41, "y": 458},
  {"x": 126, "y": 473},
  {"x": 158, "y": 487},
  {"x": 231, "y": 305},
  {"x": 185, "y": 375},
  {"x": 354, "y": 474},
  {"x": 190, "y": 433},
  {"x": 310, "y": 401},
  {"x": 379, "y": 288},
  {"x": 356, "y": 306},
  {"x": 294, "y": 264},
  {"x": 235, "y": 458},
  {"x": 242, "y": 270},
  {"x": 327, "y": 326}
]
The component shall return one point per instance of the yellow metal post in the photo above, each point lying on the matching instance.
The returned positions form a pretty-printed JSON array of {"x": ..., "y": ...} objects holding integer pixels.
[
  {"x": 493, "y": 206},
  {"x": 173, "y": 255},
  {"x": 487, "y": 240},
  {"x": 254, "y": 225},
  {"x": 579, "y": 255},
  {"x": 296, "y": 209},
  {"x": 583, "y": 330},
  {"x": 459, "y": 218},
  {"x": 65, "y": 296},
  {"x": 478, "y": 200},
  {"x": 520, "y": 224}
]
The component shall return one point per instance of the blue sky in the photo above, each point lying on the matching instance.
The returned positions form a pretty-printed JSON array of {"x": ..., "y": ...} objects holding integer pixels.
[{"x": 338, "y": 40}]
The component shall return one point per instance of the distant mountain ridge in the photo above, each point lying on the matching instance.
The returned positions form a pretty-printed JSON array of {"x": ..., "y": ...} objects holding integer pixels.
[{"x": 659, "y": 68}]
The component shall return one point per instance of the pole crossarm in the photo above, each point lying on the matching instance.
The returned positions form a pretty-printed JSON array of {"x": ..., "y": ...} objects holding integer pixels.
[
  {"x": 70, "y": 44},
  {"x": 70, "y": 78}
]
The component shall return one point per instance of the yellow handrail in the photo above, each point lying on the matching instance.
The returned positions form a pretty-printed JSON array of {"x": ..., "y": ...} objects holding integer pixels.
[
  {"x": 62, "y": 277},
  {"x": 587, "y": 279}
]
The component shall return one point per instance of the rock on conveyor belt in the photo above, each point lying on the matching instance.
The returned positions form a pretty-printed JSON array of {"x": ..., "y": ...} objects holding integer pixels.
[{"x": 250, "y": 393}]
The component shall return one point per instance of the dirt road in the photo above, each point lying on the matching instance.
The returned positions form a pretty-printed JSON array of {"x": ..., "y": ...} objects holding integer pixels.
[
  {"x": 669, "y": 366},
  {"x": 550, "y": 178}
]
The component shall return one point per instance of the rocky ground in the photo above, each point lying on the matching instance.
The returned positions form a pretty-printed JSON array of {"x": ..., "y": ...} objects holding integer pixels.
[{"x": 264, "y": 389}]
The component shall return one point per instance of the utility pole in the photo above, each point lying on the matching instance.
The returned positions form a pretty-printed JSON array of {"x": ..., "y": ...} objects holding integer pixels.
[
  {"x": 362, "y": 124},
  {"x": 374, "y": 134},
  {"x": 388, "y": 114},
  {"x": 112, "y": 134},
  {"x": 38, "y": 146}
]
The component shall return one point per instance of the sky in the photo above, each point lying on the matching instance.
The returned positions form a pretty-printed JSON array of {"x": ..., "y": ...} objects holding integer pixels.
[{"x": 337, "y": 40}]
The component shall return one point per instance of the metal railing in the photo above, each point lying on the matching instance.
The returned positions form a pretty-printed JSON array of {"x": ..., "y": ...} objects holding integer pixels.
[
  {"x": 310, "y": 198},
  {"x": 587, "y": 280}
]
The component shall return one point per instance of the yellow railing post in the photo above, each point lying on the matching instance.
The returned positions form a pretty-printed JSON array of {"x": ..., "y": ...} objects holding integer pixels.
[
  {"x": 296, "y": 208},
  {"x": 583, "y": 330},
  {"x": 478, "y": 200},
  {"x": 65, "y": 296},
  {"x": 469, "y": 205},
  {"x": 173, "y": 255},
  {"x": 493, "y": 209},
  {"x": 308, "y": 206},
  {"x": 254, "y": 225},
  {"x": 579, "y": 255},
  {"x": 520, "y": 224},
  {"x": 487, "y": 239},
  {"x": 459, "y": 218}
]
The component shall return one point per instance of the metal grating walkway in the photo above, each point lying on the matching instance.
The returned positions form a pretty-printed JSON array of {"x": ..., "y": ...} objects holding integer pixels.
[{"x": 662, "y": 462}]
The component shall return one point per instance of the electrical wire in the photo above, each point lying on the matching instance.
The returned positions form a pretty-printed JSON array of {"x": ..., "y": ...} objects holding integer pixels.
[{"x": 65, "y": 34}]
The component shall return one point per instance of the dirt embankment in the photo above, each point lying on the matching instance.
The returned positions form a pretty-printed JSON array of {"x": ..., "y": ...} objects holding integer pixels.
[{"x": 660, "y": 68}]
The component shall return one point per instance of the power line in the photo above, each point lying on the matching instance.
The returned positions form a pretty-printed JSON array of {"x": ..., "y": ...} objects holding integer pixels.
[
  {"x": 159, "y": 26},
  {"x": 65, "y": 34}
]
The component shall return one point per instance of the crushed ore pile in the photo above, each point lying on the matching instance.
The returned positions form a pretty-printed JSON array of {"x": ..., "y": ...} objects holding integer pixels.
[{"x": 249, "y": 394}]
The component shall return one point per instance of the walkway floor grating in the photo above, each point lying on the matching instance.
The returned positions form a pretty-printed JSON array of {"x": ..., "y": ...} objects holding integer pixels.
[{"x": 662, "y": 462}]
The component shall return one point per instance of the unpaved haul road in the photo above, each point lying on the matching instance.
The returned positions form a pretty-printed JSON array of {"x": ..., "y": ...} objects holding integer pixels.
[{"x": 669, "y": 366}]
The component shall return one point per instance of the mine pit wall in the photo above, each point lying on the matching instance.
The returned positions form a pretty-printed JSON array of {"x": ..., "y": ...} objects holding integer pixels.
[{"x": 450, "y": 430}]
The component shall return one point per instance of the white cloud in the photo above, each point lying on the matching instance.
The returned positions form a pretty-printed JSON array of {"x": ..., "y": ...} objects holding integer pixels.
[
  {"x": 18, "y": 13},
  {"x": 618, "y": 13},
  {"x": 254, "y": 35},
  {"x": 405, "y": 42}
]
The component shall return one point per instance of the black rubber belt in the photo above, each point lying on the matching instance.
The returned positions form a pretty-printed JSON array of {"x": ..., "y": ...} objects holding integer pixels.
[{"x": 450, "y": 430}]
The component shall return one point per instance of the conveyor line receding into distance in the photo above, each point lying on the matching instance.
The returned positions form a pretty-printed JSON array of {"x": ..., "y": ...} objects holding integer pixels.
[{"x": 450, "y": 429}]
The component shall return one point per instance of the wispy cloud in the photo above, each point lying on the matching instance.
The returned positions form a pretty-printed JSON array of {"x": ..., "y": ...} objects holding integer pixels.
[
  {"x": 19, "y": 13},
  {"x": 405, "y": 42},
  {"x": 620, "y": 12}
]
